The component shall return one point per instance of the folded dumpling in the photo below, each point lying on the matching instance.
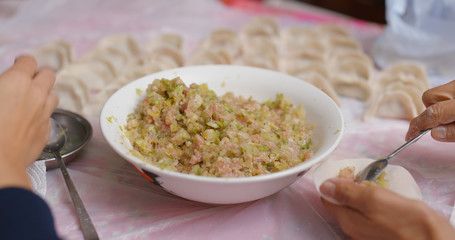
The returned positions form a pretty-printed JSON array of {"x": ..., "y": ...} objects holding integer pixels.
[
  {"x": 414, "y": 92},
  {"x": 392, "y": 104},
  {"x": 258, "y": 60},
  {"x": 56, "y": 54},
  {"x": 114, "y": 58},
  {"x": 349, "y": 86},
  {"x": 332, "y": 30},
  {"x": 408, "y": 70},
  {"x": 349, "y": 56},
  {"x": 225, "y": 40},
  {"x": 309, "y": 68},
  {"x": 322, "y": 83},
  {"x": 261, "y": 26},
  {"x": 203, "y": 57},
  {"x": 166, "y": 40},
  {"x": 292, "y": 38},
  {"x": 260, "y": 46},
  {"x": 91, "y": 81},
  {"x": 337, "y": 44},
  {"x": 73, "y": 94},
  {"x": 120, "y": 42},
  {"x": 165, "y": 58},
  {"x": 296, "y": 62},
  {"x": 353, "y": 69}
]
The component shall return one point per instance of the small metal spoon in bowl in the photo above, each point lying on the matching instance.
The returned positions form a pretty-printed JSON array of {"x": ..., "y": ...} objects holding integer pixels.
[
  {"x": 57, "y": 139},
  {"x": 374, "y": 169}
]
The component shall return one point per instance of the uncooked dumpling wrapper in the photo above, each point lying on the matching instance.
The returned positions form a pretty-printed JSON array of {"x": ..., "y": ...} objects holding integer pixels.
[{"x": 400, "y": 180}]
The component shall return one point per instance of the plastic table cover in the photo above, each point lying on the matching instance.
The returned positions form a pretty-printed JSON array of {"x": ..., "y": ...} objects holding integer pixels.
[{"x": 124, "y": 205}]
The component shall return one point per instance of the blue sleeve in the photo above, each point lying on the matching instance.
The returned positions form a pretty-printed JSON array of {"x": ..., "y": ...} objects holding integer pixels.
[{"x": 25, "y": 215}]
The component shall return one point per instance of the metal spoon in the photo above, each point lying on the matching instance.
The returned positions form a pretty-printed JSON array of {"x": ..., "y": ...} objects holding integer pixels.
[
  {"x": 374, "y": 169},
  {"x": 57, "y": 140}
]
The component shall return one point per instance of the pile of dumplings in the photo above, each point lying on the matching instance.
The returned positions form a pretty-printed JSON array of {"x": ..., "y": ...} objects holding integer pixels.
[{"x": 327, "y": 56}]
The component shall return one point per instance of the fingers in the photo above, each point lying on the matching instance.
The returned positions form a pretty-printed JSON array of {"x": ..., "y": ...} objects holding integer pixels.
[
  {"x": 351, "y": 221},
  {"x": 344, "y": 192},
  {"x": 44, "y": 79},
  {"x": 440, "y": 113},
  {"x": 438, "y": 94},
  {"x": 51, "y": 104},
  {"x": 25, "y": 65}
]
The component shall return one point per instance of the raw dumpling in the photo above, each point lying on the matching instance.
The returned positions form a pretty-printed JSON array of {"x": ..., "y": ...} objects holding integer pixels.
[
  {"x": 349, "y": 86},
  {"x": 133, "y": 72},
  {"x": 261, "y": 26},
  {"x": 383, "y": 80},
  {"x": 268, "y": 62},
  {"x": 55, "y": 55},
  {"x": 203, "y": 57},
  {"x": 332, "y": 30},
  {"x": 293, "y": 38},
  {"x": 120, "y": 42},
  {"x": 114, "y": 58},
  {"x": 309, "y": 48},
  {"x": 408, "y": 70},
  {"x": 102, "y": 69},
  {"x": 310, "y": 68},
  {"x": 95, "y": 105},
  {"x": 352, "y": 69},
  {"x": 338, "y": 45},
  {"x": 349, "y": 56},
  {"x": 72, "y": 93},
  {"x": 224, "y": 40},
  {"x": 400, "y": 180},
  {"x": 260, "y": 46},
  {"x": 322, "y": 83},
  {"x": 163, "y": 58},
  {"x": 392, "y": 104},
  {"x": 169, "y": 53},
  {"x": 166, "y": 40},
  {"x": 295, "y": 63},
  {"x": 92, "y": 81},
  {"x": 100, "y": 66},
  {"x": 413, "y": 92}
]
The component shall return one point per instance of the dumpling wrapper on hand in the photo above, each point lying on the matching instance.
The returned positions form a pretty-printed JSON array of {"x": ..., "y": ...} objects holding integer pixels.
[{"x": 400, "y": 180}]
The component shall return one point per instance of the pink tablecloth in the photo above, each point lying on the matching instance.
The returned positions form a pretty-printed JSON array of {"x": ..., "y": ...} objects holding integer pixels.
[{"x": 124, "y": 205}]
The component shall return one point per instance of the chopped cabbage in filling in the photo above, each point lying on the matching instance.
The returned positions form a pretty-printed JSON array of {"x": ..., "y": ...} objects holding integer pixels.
[{"x": 192, "y": 130}]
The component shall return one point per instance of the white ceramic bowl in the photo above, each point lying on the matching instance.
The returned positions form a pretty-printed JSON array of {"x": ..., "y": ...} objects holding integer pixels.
[{"x": 259, "y": 83}]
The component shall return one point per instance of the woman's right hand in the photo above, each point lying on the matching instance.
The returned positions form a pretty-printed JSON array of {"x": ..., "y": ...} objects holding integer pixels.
[{"x": 439, "y": 115}]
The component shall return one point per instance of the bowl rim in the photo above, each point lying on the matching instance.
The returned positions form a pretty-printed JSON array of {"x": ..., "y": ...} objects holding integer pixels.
[{"x": 297, "y": 169}]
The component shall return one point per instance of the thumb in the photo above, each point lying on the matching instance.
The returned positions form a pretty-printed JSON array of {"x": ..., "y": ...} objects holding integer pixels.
[{"x": 344, "y": 192}]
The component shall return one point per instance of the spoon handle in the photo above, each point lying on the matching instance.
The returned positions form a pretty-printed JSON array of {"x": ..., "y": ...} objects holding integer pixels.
[
  {"x": 88, "y": 229},
  {"x": 413, "y": 140}
]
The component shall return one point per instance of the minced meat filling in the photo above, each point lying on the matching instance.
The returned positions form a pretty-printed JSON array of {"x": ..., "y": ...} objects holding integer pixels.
[{"x": 191, "y": 130}]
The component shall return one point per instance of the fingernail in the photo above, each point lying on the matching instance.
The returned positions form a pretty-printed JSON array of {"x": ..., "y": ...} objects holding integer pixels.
[
  {"x": 327, "y": 190},
  {"x": 440, "y": 132}
]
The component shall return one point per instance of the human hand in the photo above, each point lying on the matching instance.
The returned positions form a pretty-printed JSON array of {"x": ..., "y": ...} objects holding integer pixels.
[
  {"x": 439, "y": 115},
  {"x": 27, "y": 103},
  {"x": 370, "y": 212}
]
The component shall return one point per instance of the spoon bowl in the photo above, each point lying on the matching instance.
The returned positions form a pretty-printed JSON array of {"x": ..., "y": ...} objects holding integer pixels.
[
  {"x": 374, "y": 169},
  {"x": 57, "y": 138}
]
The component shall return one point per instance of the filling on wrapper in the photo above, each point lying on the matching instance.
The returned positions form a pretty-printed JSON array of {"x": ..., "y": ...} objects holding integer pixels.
[
  {"x": 191, "y": 130},
  {"x": 395, "y": 178},
  {"x": 348, "y": 173}
]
